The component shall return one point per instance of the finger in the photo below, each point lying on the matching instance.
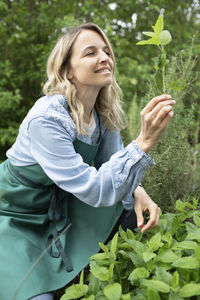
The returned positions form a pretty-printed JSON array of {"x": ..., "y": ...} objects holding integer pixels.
[
  {"x": 165, "y": 114},
  {"x": 154, "y": 102},
  {"x": 140, "y": 218},
  {"x": 158, "y": 216},
  {"x": 160, "y": 106},
  {"x": 153, "y": 218}
]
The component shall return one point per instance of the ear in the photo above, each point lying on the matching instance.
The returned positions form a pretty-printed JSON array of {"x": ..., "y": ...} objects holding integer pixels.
[{"x": 69, "y": 75}]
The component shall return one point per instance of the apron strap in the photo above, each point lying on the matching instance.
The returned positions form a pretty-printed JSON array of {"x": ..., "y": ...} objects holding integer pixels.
[{"x": 54, "y": 214}]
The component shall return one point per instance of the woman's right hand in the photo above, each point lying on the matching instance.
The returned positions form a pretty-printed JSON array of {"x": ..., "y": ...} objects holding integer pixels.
[{"x": 154, "y": 118}]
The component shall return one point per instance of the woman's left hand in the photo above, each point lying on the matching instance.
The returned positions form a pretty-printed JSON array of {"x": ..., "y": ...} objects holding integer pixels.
[{"x": 143, "y": 203}]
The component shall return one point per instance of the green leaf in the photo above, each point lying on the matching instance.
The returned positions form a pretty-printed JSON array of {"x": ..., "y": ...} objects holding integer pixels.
[
  {"x": 193, "y": 232},
  {"x": 130, "y": 234},
  {"x": 155, "y": 242},
  {"x": 113, "y": 291},
  {"x": 188, "y": 245},
  {"x": 136, "y": 259},
  {"x": 93, "y": 284},
  {"x": 75, "y": 291},
  {"x": 99, "y": 272},
  {"x": 197, "y": 252},
  {"x": 138, "y": 247},
  {"x": 104, "y": 247},
  {"x": 157, "y": 285},
  {"x": 196, "y": 220},
  {"x": 152, "y": 294},
  {"x": 91, "y": 297},
  {"x": 153, "y": 41},
  {"x": 165, "y": 37},
  {"x": 138, "y": 273},
  {"x": 189, "y": 290},
  {"x": 178, "y": 85},
  {"x": 159, "y": 26},
  {"x": 81, "y": 278},
  {"x": 149, "y": 33},
  {"x": 175, "y": 280},
  {"x": 188, "y": 262},
  {"x": 104, "y": 258},
  {"x": 167, "y": 237},
  {"x": 147, "y": 256},
  {"x": 163, "y": 275},
  {"x": 113, "y": 247},
  {"x": 126, "y": 297},
  {"x": 166, "y": 256}
]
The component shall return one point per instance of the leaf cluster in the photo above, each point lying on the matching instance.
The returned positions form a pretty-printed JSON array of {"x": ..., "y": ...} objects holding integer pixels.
[{"x": 164, "y": 263}]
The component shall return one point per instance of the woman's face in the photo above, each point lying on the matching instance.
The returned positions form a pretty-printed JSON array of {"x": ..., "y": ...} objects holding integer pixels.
[{"x": 90, "y": 65}]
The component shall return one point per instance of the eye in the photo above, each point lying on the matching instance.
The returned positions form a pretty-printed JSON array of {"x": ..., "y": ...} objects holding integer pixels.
[
  {"x": 107, "y": 52},
  {"x": 90, "y": 53}
]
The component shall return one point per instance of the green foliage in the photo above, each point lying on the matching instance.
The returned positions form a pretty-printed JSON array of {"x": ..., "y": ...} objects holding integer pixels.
[
  {"x": 177, "y": 170},
  {"x": 172, "y": 270}
]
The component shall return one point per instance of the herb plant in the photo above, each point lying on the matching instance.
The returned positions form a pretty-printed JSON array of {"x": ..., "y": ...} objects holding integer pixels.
[
  {"x": 160, "y": 38},
  {"x": 163, "y": 263}
]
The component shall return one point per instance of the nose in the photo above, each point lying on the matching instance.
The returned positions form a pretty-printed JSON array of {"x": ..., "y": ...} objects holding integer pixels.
[{"x": 103, "y": 57}]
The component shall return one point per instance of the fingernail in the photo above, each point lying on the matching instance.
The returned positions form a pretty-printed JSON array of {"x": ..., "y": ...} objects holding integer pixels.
[{"x": 174, "y": 101}]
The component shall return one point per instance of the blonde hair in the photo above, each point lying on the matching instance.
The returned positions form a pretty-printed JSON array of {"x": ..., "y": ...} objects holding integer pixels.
[{"x": 108, "y": 103}]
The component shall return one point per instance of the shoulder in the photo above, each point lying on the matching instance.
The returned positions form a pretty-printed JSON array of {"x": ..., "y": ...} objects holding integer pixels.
[{"x": 53, "y": 108}]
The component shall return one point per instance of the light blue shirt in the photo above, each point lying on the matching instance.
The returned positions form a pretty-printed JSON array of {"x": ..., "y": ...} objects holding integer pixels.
[{"x": 46, "y": 138}]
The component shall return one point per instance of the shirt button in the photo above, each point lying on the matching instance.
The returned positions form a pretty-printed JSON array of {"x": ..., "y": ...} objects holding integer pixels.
[{"x": 117, "y": 185}]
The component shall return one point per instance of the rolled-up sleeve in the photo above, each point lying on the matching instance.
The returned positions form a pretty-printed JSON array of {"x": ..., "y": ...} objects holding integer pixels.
[
  {"x": 128, "y": 164},
  {"x": 105, "y": 184}
]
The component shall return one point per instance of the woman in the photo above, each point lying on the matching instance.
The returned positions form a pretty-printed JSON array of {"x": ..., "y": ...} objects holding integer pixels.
[{"x": 48, "y": 190}]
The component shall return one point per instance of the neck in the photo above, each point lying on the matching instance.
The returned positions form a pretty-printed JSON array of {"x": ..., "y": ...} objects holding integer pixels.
[{"x": 88, "y": 99}]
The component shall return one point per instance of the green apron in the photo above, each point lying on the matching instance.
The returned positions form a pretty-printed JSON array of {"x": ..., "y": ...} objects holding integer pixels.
[{"x": 34, "y": 211}]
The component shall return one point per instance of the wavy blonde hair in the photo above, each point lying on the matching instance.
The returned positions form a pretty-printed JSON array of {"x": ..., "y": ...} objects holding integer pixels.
[{"x": 108, "y": 103}]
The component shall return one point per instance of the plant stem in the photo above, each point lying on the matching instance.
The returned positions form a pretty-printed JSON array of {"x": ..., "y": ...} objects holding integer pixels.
[
  {"x": 163, "y": 70},
  {"x": 163, "y": 78}
]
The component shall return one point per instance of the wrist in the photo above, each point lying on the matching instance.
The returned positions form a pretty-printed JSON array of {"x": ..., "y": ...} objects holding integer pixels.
[{"x": 144, "y": 146}]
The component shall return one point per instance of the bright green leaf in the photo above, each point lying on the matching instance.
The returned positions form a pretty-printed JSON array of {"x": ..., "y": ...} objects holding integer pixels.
[
  {"x": 188, "y": 245},
  {"x": 188, "y": 262},
  {"x": 153, "y": 41},
  {"x": 152, "y": 294},
  {"x": 126, "y": 297},
  {"x": 196, "y": 220},
  {"x": 157, "y": 285},
  {"x": 147, "y": 256},
  {"x": 163, "y": 275},
  {"x": 91, "y": 297},
  {"x": 175, "y": 280},
  {"x": 189, "y": 290},
  {"x": 113, "y": 291},
  {"x": 113, "y": 247},
  {"x": 165, "y": 37},
  {"x": 138, "y": 273},
  {"x": 155, "y": 242},
  {"x": 75, "y": 291},
  {"x": 99, "y": 272},
  {"x": 166, "y": 256},
  {"x": 104, "y": 247},
  {"x": 104, "y": 258},
  {"x": 149, "y": 33},
  {"x": 159, "y": 26}
]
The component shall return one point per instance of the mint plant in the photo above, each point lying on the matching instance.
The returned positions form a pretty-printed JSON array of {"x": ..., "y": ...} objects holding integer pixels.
[
  {"x": 160, "y": 38},
  {"x": 163, "y": 263}
]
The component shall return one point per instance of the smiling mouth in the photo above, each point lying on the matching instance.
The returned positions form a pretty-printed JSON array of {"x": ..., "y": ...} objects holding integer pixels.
[{"x": 103, "y": 70}]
